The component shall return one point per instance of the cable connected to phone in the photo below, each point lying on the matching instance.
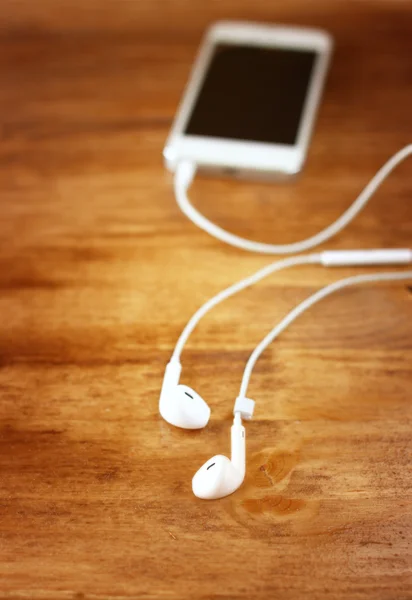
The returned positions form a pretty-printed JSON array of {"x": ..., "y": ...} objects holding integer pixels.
[
  {"x": 333, "y": 258},
  {"x": 188, "y": 410},
  {"x": 186, "y": 171}
]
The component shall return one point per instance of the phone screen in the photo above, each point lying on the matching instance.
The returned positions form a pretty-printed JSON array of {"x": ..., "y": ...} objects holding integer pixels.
[{"x": 253, "y": 93}]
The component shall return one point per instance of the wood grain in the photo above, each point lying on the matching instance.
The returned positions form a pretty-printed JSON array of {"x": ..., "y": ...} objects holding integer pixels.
[{"x": 99, "y": 272}]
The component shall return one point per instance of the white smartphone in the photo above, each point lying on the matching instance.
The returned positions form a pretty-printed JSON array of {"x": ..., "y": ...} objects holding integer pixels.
[{"x": 251, "y": 101}]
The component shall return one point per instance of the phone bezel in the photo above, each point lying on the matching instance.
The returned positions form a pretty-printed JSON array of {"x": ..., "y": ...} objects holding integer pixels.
[{"x": 235, "y": 155}]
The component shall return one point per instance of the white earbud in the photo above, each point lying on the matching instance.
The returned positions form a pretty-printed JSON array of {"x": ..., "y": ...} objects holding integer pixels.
[
  {"x": 219, "y": 476},
  {"x": 179, "y": 405}
]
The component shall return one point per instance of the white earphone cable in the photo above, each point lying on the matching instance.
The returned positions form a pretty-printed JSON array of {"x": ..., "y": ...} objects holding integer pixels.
[
  {"x": 300, "y": 308},
  {"x": 237, "y": 287},
  {"x": 186, "y": 171}
]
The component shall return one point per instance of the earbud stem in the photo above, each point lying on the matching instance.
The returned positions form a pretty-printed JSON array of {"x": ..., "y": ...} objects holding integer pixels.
[
  {"x": 170, "y": 380},
  {"x": 238, "y": 439}
]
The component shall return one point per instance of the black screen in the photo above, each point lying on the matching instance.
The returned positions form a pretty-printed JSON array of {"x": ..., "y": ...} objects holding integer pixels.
[{"x": 254, "y": 94}]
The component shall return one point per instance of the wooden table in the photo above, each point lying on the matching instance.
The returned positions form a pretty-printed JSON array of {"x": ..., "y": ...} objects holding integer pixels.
[{"x": 100, "y": 272}]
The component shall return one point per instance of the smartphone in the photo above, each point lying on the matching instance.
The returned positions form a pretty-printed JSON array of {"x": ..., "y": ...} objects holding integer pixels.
[{"x": 251, "y": 101}]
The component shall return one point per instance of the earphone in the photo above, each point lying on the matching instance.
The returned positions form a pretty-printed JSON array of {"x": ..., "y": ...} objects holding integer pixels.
[
  {"x": 180, "y": 405},
  {"x": 183, "y": 407}
]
